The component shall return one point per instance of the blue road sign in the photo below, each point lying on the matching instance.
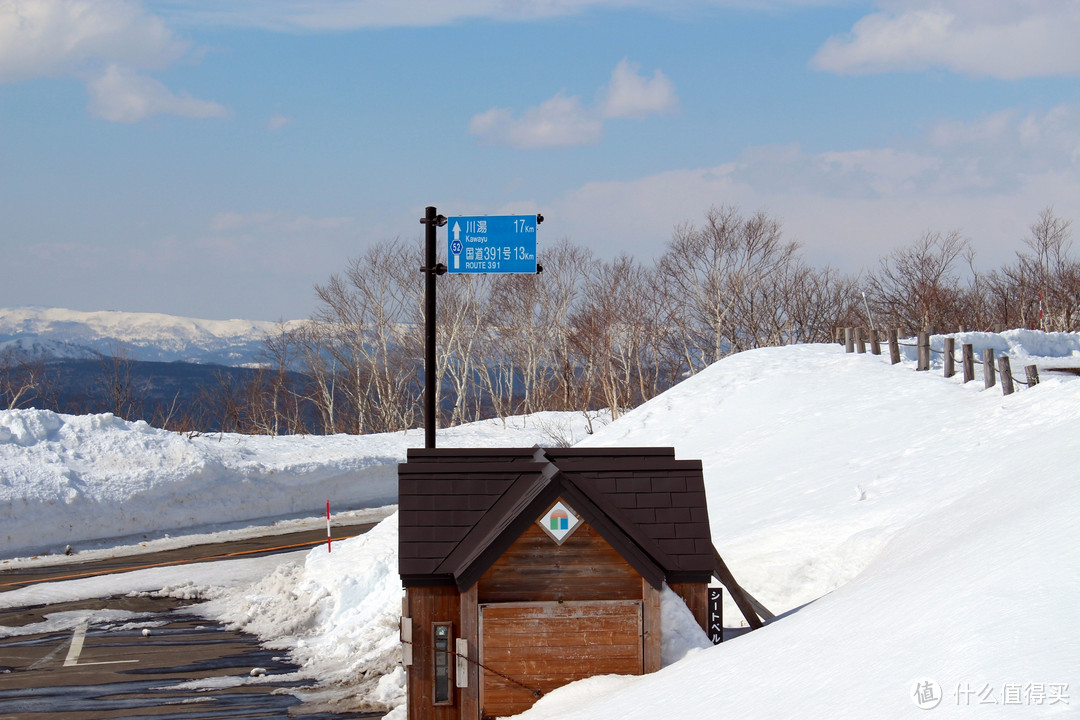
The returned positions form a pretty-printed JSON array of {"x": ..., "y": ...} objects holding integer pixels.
[{"x": 491, "y": 244}]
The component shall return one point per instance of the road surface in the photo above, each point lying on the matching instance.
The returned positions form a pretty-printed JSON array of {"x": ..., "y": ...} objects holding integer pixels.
[{"x": 165, "y": 662}]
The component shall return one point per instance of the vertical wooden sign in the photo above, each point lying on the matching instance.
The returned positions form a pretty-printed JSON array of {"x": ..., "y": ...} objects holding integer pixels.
[{"x": 716, "y": 615}]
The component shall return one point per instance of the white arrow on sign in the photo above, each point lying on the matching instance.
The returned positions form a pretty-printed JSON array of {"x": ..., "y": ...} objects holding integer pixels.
[{"x": 457, "y": 230}]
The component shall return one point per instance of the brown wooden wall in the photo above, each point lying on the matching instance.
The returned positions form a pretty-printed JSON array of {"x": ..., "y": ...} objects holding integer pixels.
[
  {"x": 533, "y": 570},
  {"x": 469, "y": 699},
  {"x": 426, "y": 606},
  {"x": 696, "y": 597},
  {"x": 536, "y": 569}
]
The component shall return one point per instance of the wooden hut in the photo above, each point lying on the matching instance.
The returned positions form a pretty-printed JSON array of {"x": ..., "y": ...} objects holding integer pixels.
[{"x": 526, "y": 569}]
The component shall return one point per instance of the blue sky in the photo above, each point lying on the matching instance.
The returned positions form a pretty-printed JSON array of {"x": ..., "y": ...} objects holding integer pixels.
[{"x": 216, "y": 159}]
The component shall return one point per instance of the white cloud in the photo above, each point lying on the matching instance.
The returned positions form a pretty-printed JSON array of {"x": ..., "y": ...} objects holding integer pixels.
[
  {"x": 563, "y": 121},
  {"x": 1008, "y": 144},
  {"x": 989, "y": 179},
  {"x": 558, "y": 122},
  {"x": 1058, "y": 131},
  {"x": 631, "y": 95},
  {"x": 110, "y": 44},
  {"x": 991, "y": 128},
  {"x": 317, "y": 15},
  {"x": 1006, "y": 40},
  {"x": 122, "y": 95},
  {"x": 60, "y": 37},
  {"x": 277, "y": 121}
]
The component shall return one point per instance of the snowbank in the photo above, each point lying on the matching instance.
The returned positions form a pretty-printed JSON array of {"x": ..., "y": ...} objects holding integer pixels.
[
  {"x": 1024, "y": 347},
  {"x": 68, "y": 479},
  {"x": 337, "y": 613}
]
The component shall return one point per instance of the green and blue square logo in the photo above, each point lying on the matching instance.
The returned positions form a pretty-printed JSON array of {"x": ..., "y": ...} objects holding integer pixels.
[{"x": 559, "y": 522}]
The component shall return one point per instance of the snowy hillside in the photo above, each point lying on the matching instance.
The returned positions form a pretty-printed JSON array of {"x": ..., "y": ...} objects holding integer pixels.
[
  {"x": 34, "y": 348},
  {"x": 914, "y": 527},
  {"x": 916, "y": 536},
  {"x": 144, "y": 336}
]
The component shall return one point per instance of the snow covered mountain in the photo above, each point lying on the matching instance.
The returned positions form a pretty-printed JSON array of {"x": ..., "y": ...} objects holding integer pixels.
[
  {"x": 56, "y": 333},
  {"x": 35, "y": 348}
]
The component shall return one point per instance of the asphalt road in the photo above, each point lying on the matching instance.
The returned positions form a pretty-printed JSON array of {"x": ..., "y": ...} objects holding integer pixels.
[
  {"x": 251, "y": 547},
  {"x": 164, "y": 662}
]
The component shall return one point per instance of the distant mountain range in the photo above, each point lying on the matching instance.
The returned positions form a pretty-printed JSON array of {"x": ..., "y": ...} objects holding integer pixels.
[{"x": 59, "y": 334}]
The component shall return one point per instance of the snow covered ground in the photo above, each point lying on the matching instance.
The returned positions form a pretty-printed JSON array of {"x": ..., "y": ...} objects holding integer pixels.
[{"x": 917, "y": 536}]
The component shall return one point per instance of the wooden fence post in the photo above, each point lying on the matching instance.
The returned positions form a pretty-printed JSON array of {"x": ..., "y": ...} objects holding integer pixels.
[
  {"x": 894, "y": 346},
  {"x": 924, "y": 351},
  {"x": 950, "y": 361},
  {"x": 1006, "y": 375},
  {"x": 860, "y": 341},
  {"x": 988, "y": 368},
  {"x": 849, "y": 340},
  {"x": 1032, "y": 375},
  {"x": 875, "y": 342},
  {"x": 968, "y": 361}
]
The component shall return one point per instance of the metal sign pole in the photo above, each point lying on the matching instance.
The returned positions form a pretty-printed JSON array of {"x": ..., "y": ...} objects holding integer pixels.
[{"x": 431, "y": 270}]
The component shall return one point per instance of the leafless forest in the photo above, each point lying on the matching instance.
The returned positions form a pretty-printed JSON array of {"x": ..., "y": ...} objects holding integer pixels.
[{"x": 590, "y": 333}]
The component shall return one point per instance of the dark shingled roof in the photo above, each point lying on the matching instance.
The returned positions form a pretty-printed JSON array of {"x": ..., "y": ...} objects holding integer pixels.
[{"x": 461, "y": 509}]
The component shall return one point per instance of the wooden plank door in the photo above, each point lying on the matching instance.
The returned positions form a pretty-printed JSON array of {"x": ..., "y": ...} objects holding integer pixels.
[{"x": 528, "y": 647}]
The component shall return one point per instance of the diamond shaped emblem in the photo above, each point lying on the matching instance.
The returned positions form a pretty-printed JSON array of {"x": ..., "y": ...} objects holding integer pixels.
[{"x": 559, "y": 522}]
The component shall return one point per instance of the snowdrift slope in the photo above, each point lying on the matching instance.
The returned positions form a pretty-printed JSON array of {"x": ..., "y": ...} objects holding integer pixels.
[{"x": 932, "y": 527}]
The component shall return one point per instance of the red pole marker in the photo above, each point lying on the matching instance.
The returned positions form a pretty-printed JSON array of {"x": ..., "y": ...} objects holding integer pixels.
[{"x": 328, "y": 548}]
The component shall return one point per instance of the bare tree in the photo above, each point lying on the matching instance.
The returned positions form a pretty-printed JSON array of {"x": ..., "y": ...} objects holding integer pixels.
[
  {"x": 223, "y": 403},
  {"x": 371, "y": 319},
  {"x": 919, "y": 286},
  {"x": 121, "y": 393},
  {"x": 22, "y": 379},
  {"x": 587, "y": 334},
  {"x": 281, "y": 401},
  {"x": 1051, "y": 270},
  {"x": 516, "y": 355},
  {"x": 1042, "y": 288},
  {"x": 526, "y": 354},
  {"x": 461, "y": 317},
  {"x": 615, "y": 331},
  {"x": 509, "y": 320},
  {"x": 805, "y": 304},
  {"x": 167, "y": 417},
  {"x": 567, "y": 268},
  {"x": 716, "y": 278},
  {"x": 320, "y": 370}
]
